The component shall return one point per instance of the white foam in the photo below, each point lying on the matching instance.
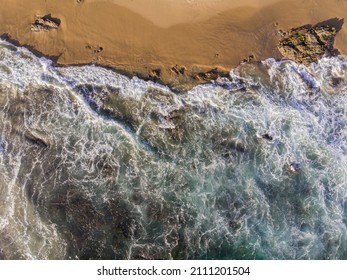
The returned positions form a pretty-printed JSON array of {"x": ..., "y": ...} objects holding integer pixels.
[{"x": 302, "y": 169}]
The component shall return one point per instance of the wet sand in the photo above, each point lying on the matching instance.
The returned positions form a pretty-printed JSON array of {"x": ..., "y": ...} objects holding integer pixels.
[{"x": 167, "y": 41}]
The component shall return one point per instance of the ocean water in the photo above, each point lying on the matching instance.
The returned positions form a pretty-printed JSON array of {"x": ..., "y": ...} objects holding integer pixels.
[{"x": 94, "y": 165}]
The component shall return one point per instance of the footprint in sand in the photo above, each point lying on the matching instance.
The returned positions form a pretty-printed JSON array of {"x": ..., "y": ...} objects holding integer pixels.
[
  {"x": 178, "y": 70},
  {"x": 155, "y": 74}
]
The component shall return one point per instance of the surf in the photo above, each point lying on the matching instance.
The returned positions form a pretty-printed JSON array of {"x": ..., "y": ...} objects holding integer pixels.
[{"x": 96, "y": 165}]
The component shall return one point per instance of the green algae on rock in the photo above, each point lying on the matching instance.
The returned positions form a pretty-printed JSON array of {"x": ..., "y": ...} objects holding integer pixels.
[{"x": 308, "y": 43}]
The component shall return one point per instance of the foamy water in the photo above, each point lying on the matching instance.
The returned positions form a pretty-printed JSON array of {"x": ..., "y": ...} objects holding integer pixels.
[{"x": 96, "y": 165}]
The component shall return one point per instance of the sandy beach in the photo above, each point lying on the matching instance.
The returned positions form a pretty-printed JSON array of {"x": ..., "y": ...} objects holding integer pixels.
[{"x": 167, "y": 41}]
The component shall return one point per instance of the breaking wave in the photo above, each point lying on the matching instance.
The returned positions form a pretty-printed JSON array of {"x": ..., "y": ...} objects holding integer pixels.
[{"x": 94, "y": 165}]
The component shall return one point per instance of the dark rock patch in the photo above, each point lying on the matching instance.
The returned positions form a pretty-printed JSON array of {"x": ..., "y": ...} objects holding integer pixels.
[
  {"x": 309, "y": 43},
  {"x": 335, "y": 81},
  {"x": 267, "y": 136},
  {"x": 210, "y": 75},
  {"x": 249, "y": 59}
]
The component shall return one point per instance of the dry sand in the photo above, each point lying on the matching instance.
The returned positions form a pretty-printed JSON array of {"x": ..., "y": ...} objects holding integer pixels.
[{"x": 168, "y": 40}]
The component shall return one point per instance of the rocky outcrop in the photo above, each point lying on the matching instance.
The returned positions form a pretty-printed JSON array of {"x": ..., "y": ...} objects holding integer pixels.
[{"x": 308, "y": 43}]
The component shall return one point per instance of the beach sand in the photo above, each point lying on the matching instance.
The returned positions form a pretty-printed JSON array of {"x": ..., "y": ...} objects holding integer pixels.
[{"x": 163, "y": 40}]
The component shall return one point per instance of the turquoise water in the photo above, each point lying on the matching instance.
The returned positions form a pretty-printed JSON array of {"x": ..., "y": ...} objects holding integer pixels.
[{"x": 94, "y": 165}]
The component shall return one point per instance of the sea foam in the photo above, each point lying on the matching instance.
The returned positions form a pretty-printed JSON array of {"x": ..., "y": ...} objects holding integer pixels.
[{"x": 98, "y": 165}]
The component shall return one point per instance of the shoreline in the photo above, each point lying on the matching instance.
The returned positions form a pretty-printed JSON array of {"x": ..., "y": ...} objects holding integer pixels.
[
  {"x": 176, "y": 88},
  {"x": 178, "y": 55}
]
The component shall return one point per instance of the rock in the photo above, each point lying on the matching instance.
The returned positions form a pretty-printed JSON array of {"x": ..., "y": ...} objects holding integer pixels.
[
  {"x": 308, "y": 43},
  {"x": 267, "y": 136},
  {"x": 210, "y": 75},
  {"x": 45, "y": 23},
  {"x": 249, "y": 59}
]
